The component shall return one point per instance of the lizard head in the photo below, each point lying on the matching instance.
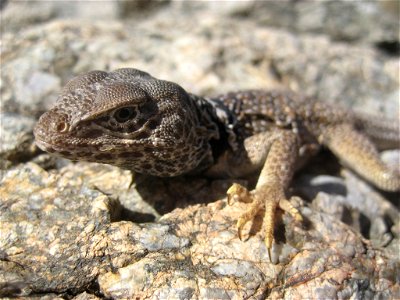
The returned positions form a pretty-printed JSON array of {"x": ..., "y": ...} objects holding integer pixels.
[{"x": 126, "y": 118}]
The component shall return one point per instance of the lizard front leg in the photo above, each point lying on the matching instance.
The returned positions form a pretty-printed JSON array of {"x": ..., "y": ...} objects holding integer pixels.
[{"x": 273, "y": 181}]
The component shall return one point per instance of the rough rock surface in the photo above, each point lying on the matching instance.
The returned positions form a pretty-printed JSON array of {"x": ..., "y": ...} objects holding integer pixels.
[
  {"x": 17, "y": 142},
  {"x": 90, "y": 231},
  {"x": 62, "y": 233}
]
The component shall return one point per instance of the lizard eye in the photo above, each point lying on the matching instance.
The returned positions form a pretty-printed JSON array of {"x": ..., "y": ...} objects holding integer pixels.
[{"x": 124, "y": 114}]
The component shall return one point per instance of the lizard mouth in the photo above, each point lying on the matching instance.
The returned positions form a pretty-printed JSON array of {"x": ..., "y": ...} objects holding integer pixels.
[
  {"x": 51, "y": 146},
  {"x": 44, "y": 146},
  {"x": 67, "y": 148},
  {"x": 84, "y": 147},
  {"x": 41, "y": 140}
]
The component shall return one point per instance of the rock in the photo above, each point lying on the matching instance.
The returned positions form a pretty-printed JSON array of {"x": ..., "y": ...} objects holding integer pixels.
[
  {"x": 34, "y": 68},
  {"x": 45, "y": 222},
  {"x": 20, "y": 15},
  {"x": 16, "y": 139},
  {"x": 16, "y": 15},
  {"x": 85, "y": 296},
  {"x": 192, "y": 251},
  {"x": 370, "y": 22},
  {"x": 206, "y": 60}
]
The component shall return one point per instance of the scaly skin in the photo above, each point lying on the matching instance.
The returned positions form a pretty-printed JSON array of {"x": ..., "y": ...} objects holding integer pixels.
[{"x": 132, "y": 120}]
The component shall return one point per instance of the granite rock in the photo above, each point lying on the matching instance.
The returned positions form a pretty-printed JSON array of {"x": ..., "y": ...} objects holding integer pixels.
[
  {"x": 211, "y": 55},
  {"x": 62, "y": 231},
  {"x": 16, "y": 140}
]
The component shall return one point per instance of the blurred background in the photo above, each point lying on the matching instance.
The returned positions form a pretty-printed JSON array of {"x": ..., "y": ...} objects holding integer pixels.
[{"x": 338, "y": 51}]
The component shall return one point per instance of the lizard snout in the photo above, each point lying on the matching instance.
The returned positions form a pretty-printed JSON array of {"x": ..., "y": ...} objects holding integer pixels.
[{"x": 50, "y": 125}]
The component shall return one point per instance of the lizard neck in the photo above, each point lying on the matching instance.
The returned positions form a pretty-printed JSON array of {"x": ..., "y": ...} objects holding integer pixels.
[{"x": 220, "y": 123}]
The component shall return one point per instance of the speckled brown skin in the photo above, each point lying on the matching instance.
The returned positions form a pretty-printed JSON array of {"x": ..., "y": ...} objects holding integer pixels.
[{"x": 135, "y": 121}]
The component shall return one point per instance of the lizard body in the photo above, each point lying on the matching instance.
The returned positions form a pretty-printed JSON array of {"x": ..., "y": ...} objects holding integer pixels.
[{"x": 130, "y": 119}]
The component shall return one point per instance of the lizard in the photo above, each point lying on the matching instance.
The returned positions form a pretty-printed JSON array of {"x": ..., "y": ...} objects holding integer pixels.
[{"x": 135, "y": 121}]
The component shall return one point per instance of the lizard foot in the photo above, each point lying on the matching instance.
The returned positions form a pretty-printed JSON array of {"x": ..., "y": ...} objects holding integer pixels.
[{"x": 268, "y": 198}]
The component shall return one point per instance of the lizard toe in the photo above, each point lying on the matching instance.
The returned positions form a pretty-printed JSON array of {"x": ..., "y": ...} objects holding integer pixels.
[
  {"x": 288, "y": 207},
  {"x": 237, "y": 193}
]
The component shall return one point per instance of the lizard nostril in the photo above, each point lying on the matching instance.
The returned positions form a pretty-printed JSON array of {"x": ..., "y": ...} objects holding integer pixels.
[{"x": 61, "y": 127}]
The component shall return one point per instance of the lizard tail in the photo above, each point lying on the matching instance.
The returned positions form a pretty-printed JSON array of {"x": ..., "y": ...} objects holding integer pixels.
[{"x": 384, "y": 133}]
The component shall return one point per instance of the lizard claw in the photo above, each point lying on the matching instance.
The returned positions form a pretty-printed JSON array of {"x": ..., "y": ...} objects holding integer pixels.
[
  {"x": 267, "y": 197},
  {"x": 285, "y": 205},
  {"x": 239, "y": 225},
  {"x": 238, "y": 192},
  {"x": 269, "y": 254}
]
